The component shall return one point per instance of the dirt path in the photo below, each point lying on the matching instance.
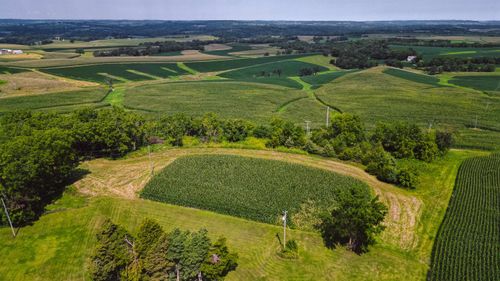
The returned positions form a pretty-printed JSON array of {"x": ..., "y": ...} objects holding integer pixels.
[{"x": 126, "y": 177}]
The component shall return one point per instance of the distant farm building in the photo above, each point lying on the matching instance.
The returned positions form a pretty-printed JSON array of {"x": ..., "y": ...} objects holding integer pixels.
[
  {"x": 10, "y": 52},
  {"x": 411, "y": 58}
]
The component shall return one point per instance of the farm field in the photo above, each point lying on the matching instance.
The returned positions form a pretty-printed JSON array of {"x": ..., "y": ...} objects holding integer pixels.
[
  {"x": 431, "y": 52},
  {"x": 250, "y": 101},
  {"x": 411, "y": 76},
  {"x": 265, "y": 73},
  {"x": 122, "y": 72},
  {"x": 478, "y": 82},
  {"x": 90, "y": 97},
  {"x": 72, "y": 240},
  {"x": 11, "y": 70},
  {"x": 223, "y": 65},
  {"x": 251, "y": 188},
  {"x": 320, "y": 79},
  {"x": 377, "y": 96},
  {"x": 467, "y": 246}
]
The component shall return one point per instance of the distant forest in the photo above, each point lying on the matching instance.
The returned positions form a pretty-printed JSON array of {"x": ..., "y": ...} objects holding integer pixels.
[{"x": 31, "y": 31}]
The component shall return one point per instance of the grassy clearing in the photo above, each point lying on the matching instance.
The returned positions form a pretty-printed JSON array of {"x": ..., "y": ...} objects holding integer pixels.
[
  {"x": 228, "y": 99},
  {"x": 54, "y": 100},
  {"x": 468, "y": 243},
  {"x": 411, "y": 76},
  {"x": 223, "y": 65},
  {"x": 376, "y": 96},
  {"x": 264, "y": 73},
  {"x": 130, "y": 71},
  {"x": 250, "y": 188},
  {"x": 481, "y": 83}
]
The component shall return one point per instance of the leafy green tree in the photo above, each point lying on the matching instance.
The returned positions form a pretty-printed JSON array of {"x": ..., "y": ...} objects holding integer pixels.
[
  {"x": 34, "y": 170},
  {"x": 286, "y": 133},
  {"x": 236, "y": 129},
  {"x": 219, "y": 261},
  {"x": 177, "y": 244},
  {"x": 354, "y": 221},
  {"x": 444, "y": 141},
  {"x": 382, "y": 164},
  {"x": 112, "y": 254},
  {"x": 407, "y": 177},
  {"x": 196, "y": 248},
  {"x": 347, "y": 128}
]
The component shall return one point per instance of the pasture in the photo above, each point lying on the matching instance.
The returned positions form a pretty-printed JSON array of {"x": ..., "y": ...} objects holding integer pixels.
[
  {"x": 256, "y": 102},
  {"x": 119, "y": 72},
  {"x": 467, "y": 246},
  {"x": 377, "y": 96}
]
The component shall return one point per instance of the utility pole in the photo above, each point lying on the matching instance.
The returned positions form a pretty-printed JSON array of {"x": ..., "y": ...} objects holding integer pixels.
[
  {"x": 150, "y": 162},
  {"x": 308, "y": 131},
  {"x": 327, "y": 116},
  {"x": 430, "y": 127},
  {"x": 284, "y": 228},
  {"x": 8, "y": 216}
]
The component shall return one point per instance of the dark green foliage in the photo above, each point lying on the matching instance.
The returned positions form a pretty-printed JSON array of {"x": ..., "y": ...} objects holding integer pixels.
[
  {"x": 92, "y": 72},
  {"x": 453, "y": 64},
  {"x": 255, "y": 189},
  {"x": 481, "y": 83},
  {"x": 286, "y": 133},
  {"x": 156, "y": 255},
  {"x": 112, "y": 254},
  {"x": 291, "y": 250},
  {"x": 444, "y": 140},
  {"x": 354, "y": 221},
  {"x": 34, "y": 170},
  {"x": 347, "y": 128},
  {"x": 407, "y": 177},
  {"x": 419, "y": 78},
  {"x": 236, "y": 129},
  {"x": 219, "y": 261},
  {"x": 467, "y": 246},
  {"x": 382, "y": 164},
  {"x": 11, "y": 70}
]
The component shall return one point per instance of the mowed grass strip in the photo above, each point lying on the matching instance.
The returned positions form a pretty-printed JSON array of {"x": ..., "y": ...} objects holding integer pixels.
[
  {"x": 92, "y": 72},
  {"x": 54, "y": 100},
  {"x": 467, "y": 246},
  {"x": 250, "y": 188},
  {"x": 251, "y": 101},
  {"x": 414, "y": 77},
  {"x": 264, "y": 73},
  {"x": 478, "y": 82},
  {"x": 223, "y": 65}
]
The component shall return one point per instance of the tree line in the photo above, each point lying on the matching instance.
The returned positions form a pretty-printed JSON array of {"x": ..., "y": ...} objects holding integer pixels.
[
  {"x": 440, "y": 43},
  {"x": 154, "y": 254},
  {"x": 39, "y": 152},
  {"x": 154, "y": 48},
  {"x": 453, "y": 64}
]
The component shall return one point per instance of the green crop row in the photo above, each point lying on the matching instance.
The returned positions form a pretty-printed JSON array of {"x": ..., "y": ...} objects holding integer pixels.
[
  {"x": 478, "y": 82},
  {"x": 222, "y": 65},
  {"x": 414, "y": 77},
  {"x": 123, "y": 71},
  {"x": 250, "y": 188},
  {"x": 468, "y": 243}
]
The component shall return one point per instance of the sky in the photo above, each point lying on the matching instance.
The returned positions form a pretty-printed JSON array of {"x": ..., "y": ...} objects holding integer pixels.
[{"x": 355, "y": 10}]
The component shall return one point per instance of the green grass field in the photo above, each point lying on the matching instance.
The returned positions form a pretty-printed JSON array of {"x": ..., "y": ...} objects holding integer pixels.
[
  {"x": 234, "y": 48},
  {"x": 411, "y": 76},
  {"x": 122, "y": 72},
  {"x": 431, "y": 52},
  {"x": 250, "y": 188},
  {"x": 467, "y": 246},
  {"x": 11, "y": 70},
  {"x": 377, "y": 96},
  {"x": 223, "y": 65},
  {"x": 256, "y": 102},
  {"x": 64, "y": 101},
  {"x": 264, "y": 73},
  {"x": 319, "y": 80},
  {"x": 481, "y": 83}
]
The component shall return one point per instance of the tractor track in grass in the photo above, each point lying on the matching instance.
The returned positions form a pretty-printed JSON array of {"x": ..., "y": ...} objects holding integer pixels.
[{"x": 126, "y": 177}]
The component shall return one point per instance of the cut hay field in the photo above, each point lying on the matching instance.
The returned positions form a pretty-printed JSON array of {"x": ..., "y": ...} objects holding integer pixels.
[
  {"x": 257, "y": 102},
  {"x": 34, "y": 83},
  {"x": 377, "y": 96},
  {"x": 121, "y": 72},
  {"x": 250, "y": 188},
  {"x": 264, "y": 73},
  {"x": 63, "y": 101},
  {"x": 57, "y": 247}
]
